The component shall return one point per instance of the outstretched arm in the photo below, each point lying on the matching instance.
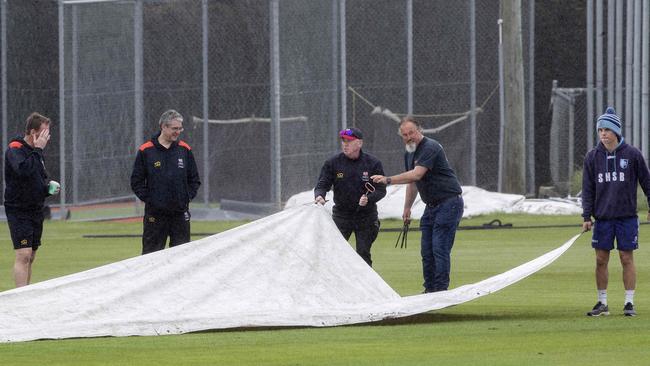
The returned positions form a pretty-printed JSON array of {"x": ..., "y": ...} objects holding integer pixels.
[{"x": 411, "y": 176}]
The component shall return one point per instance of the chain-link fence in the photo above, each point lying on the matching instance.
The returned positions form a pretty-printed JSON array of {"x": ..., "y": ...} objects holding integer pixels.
[
  {"x": 263, "y": 85},
  {"x": 569, "y": 137}
]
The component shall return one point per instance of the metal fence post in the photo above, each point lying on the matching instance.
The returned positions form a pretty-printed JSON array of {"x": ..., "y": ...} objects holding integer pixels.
[
  {"x": 502, "y": 117},
  {"x": 335, "y": 74},
  {"x": 645, "y": 71},
  {"x": 206, "y": 150},
  {"x": 599, "y": 54},
  {"x": 472, "y": 91},
  {"x": 62, "y": 196},
  {"x": 618, "y": 83},
  {"x": 3, "y": 71},
  {"x": 590, "y": 73},
  {"x": 343, "y": 54},
  {"x": 138, "y": 95},
  {"x": 530, "y": 131},
  {"x": 610, "y": 54},
  {"x": 276, "y": 148},
  {"x": 75, "y": 104},
  {"x": 629, "y": 54},
  {"x": 409, "y": 56},
  {"x": 636, "y": 85}
]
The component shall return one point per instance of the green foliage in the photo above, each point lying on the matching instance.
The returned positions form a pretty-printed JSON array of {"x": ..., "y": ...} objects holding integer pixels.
[
  {"x": 538, "y": 321},
  {"x": 576, "y": 182},
  {"x": 641, "y": 203}
]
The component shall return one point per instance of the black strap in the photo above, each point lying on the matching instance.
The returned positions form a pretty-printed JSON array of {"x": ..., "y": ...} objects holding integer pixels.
[{"x": 402, "y": 238}]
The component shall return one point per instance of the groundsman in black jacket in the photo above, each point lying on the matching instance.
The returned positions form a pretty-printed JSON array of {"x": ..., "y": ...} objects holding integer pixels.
[
  {"x": 355, "y": 196},
  {"x": 27, "y": 185},
  {"x": 166, "y": 179}
]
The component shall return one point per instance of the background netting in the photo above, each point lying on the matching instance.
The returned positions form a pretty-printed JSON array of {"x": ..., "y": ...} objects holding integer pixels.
[
  {"x": 99, "y": 88},
  {"x": 101, "y": 51},
  {"x": 568, "y": 137}
]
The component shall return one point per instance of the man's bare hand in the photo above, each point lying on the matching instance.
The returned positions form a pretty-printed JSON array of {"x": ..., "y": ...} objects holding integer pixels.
[
  {"x": 320, "y": 200},
  {"x": 586, "y": 226},
  {"x": 406, "y": 216},
  {"x": 363, "y": 201},
  {"x": 378, "y": 179},
  {"x": 42, "y": 139}
]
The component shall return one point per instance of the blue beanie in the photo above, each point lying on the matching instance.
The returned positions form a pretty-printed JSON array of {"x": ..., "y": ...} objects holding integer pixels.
[{"x": 610, "y": 121}]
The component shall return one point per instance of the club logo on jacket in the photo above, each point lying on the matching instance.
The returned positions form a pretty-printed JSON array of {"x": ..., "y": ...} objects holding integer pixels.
[
  {"x": 623, "y": 163},
  {"x": 156, "y": 164},
  {"x": 365, "y": 177},
  {"x": 180, "y": 163},
  {"x": 339, "y": 175}
]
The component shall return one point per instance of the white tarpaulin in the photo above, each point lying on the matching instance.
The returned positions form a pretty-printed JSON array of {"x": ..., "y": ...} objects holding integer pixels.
[
  {"x": 288, "y": 269},
  {"x": 478, "y": 201}
]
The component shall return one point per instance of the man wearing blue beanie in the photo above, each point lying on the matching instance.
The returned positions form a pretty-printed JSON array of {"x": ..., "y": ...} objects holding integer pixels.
[{"x": 610, "y": 176}]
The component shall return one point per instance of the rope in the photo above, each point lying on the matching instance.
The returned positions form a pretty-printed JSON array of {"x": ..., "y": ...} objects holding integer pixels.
[{"x": 376, "y": 109}]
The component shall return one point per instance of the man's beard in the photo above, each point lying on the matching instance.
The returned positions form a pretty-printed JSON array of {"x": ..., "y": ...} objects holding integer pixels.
[{"x": 410, "y": 147}]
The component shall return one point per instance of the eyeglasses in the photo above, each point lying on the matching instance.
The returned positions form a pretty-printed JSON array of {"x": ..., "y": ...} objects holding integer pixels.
[{"x": 176, "y": 129}]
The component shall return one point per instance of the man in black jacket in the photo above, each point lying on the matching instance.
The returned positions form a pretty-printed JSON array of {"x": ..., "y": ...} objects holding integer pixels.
[
  {"x": 166, "y": 179},
  {"x": 27, "y": 185},
  {"x": 355, "y": 198}
]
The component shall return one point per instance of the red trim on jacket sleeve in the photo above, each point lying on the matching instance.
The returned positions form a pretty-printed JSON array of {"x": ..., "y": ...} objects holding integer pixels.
[
  {"x": 184, "y": 144},
  {"x": 15, "y": 145},
  {"x": 145, "y": 146}
]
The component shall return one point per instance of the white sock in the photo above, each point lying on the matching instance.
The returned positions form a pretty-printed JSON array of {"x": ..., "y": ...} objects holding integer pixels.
[
  {"x": 629, "y": 296},
  {"x": 602, "y": 296}
]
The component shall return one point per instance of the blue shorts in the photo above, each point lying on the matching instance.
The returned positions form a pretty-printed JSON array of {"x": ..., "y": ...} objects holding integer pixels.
[{"x": 626, "y": 232}]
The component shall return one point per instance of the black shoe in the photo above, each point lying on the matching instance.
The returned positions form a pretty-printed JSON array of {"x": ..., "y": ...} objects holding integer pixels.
[
  {"x": 600, "y": 309},
  {"x": 628, "y": 310}
]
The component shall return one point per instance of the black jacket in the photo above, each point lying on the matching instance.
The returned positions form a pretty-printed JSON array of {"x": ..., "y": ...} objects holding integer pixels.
[
  {"x": 25, "y": 177},
  {"x": 349, "y": 178},
  {"x": 166, "y": 180}
]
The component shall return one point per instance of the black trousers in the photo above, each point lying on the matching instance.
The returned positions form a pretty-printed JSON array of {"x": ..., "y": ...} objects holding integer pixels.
[
  {"x": 365, "y": 231},
  {"x": 157, "y": 227}
]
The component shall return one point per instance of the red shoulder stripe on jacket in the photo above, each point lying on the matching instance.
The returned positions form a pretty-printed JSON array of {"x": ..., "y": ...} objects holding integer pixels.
[
  {"x": 15, "y": 145},
  {"x": 145, "y": 146},
  {"x": 184, "y": 144}
]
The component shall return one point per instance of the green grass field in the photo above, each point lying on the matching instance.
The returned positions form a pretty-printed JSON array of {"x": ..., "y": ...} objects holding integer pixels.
[{"x": 538, "y": 321}]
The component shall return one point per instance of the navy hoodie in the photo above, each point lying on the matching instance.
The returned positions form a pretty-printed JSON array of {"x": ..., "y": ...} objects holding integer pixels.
[
  {"x": 609, "y": 182},
  {"x": 25, "y": 177}
]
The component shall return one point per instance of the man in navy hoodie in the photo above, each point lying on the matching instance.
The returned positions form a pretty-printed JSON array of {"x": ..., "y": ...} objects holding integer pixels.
[
  {"x": 609, "y": 185},
  {"x": 27, "y": 185}
]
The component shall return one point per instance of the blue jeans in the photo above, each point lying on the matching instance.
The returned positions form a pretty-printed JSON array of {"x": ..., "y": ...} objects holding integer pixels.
[{"x": 438, "y": 225}]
